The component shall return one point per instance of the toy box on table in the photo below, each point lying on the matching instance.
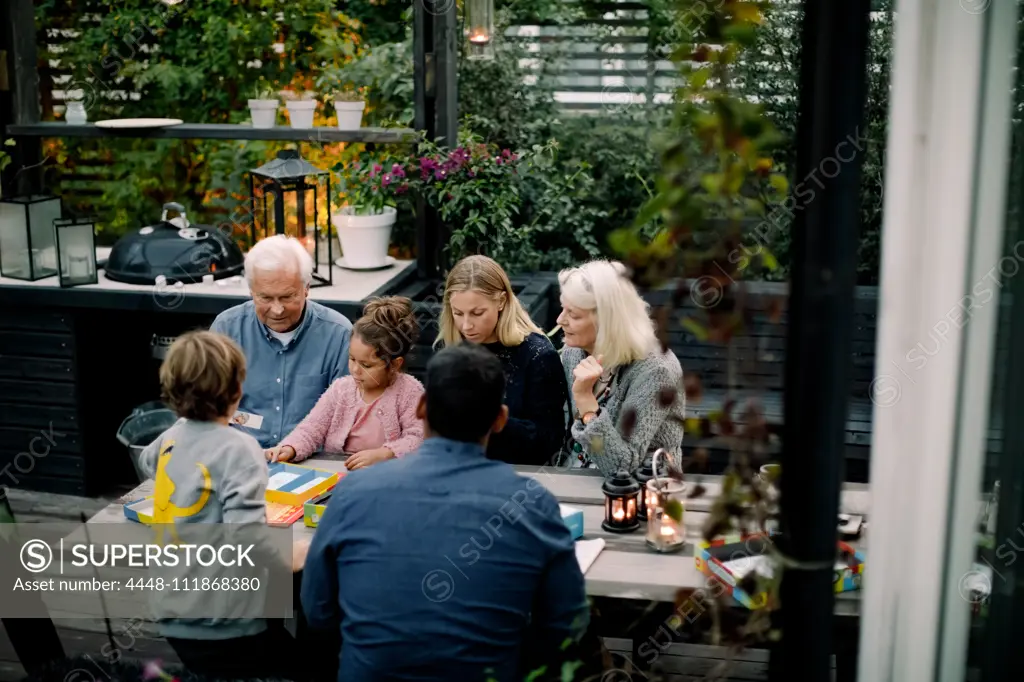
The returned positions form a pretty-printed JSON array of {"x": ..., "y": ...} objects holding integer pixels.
[
  {"x": 730, "y": 559},
  {"x": 289, "y": 487}
]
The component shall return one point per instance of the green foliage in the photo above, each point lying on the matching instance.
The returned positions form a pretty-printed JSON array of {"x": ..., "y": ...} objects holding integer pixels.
[
  {"x": 769, "y": 71},
  {"x": 197, "y": 61},
  {"x": 5, "y": 158},
  {"x": 374, "y": 182}
]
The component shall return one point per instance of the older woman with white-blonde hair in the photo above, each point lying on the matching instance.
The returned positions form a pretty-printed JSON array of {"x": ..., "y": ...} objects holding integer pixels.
[
  {"x": 615, "y": 366},
  {"x": 294, "y": 347}
]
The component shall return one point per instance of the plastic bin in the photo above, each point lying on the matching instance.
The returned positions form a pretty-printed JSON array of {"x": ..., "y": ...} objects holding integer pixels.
[{"x": 141, "y": 427}]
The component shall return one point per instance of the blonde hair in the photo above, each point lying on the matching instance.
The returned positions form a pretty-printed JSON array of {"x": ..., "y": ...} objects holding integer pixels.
[
  {"x": 202, "y": 375},
  {"x": 625, "y": 331},
  {"x": 485, "y": 276}
]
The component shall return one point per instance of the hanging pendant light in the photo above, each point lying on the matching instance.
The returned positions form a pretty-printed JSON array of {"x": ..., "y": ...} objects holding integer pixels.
[{"x": 479, "y": 22}]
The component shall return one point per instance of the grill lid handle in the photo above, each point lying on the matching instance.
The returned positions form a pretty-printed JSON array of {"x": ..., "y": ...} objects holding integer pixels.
[{"x": 174, "y": 206}]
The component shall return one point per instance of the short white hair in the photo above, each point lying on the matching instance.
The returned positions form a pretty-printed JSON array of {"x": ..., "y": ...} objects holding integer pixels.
[
  {"x": 625, "y": 331},
  {"x": 279, "y": 253}
]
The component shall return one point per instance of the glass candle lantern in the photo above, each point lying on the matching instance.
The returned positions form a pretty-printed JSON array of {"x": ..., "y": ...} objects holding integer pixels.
[
  {"x": 285, "y": 197},
  {"x": 644, "y": 474},
  {"x": 76, "y": 251},
  {"x": 479, "y": 22},
  {"x": 28, "y": 250},
  {"x": 664, "y": 533},
  {"x": 621, "y": 492}
]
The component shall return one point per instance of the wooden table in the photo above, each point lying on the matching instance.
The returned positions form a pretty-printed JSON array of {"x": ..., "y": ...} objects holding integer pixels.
[{"x": 627, "y": 568}]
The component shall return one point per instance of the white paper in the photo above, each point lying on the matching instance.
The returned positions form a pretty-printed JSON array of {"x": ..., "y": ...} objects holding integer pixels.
[
  {"x": 248, "y": 420},
  {"x": 309, "y": 484},
  {"x": 280, "y": 479},
  {"x": 587, "y": 551},
  {"x": 567, "y": 510}
]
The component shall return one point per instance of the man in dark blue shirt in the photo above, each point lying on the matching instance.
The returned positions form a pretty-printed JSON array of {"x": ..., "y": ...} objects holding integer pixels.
[{"x": 446, "y": 565}]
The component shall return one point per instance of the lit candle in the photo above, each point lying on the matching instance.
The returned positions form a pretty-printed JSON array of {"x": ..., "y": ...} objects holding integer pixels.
[
  {"x": 631, "y": 507},
  {"x": 667, "y": 530},
  {"x": 480, "y": 39},
  {"x": 617, "y": 512}
]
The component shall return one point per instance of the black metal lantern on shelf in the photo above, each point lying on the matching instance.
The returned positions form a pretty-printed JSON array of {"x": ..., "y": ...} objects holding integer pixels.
[
  {"x": 621, "y": 491},
  {"x": 28, "y": 250},
  {"x": 76, "y": 251},
  {"x": 274, "y": 183}
]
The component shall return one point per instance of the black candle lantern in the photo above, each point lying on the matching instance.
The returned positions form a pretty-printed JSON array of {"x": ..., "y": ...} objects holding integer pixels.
[
  {"x": 76, "y": 251},
  {"x": 620, "y": 503},
  {"x": 276, "y": 182},
  {"x": 27, "y": 247}
]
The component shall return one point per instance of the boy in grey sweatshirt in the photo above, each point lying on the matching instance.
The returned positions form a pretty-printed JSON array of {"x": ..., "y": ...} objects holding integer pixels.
[{"x": 207, "y": 472}]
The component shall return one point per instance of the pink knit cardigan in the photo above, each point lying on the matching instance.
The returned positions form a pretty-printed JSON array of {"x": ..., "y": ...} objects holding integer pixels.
[{"x": 333, "y": 416}]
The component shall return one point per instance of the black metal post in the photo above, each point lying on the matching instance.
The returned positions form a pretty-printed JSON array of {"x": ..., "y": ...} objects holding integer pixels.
[
  {"x": 435, "y": 92},
  {"x": 424, "y": 93},
  {"x": 21, "y": 104},
  {"x": 997, "y": 649},
  {"x": 818, "y": 351}
]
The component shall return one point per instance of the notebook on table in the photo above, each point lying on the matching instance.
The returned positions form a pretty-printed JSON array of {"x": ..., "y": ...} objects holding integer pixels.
[{"x": 587, "y": 552}]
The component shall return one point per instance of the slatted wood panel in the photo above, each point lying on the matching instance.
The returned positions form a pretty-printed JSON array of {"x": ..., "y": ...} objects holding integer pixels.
[{"x": 41, "y": 444}]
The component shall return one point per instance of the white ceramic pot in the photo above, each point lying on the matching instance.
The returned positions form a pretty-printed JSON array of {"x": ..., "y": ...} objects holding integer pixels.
[
  {"x": 75, "y": 113},
  {"x": 263, "y": 112},
  {"x": 350, "y": 114},
  {"x": 364, "y": 238},
  {"x": 300, "y": 112}
]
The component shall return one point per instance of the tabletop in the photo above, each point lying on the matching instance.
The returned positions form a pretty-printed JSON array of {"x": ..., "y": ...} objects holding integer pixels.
[{"x": 627, "y": 568}]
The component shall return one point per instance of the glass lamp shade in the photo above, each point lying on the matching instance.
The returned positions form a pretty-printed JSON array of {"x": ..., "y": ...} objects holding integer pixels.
[
  {"x": 644, "y": 474},
  {"x": 76, "y": 251},
  {"x": 620, "y": 503},
  {"x": 664, "y": 533},
  {"x": 28, "y": 249},
  {"x": 479, "y": 22}
]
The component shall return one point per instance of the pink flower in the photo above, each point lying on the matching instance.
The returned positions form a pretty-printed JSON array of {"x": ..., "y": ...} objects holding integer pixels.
[
  {"x": 385, "y": 180},
  {"x": 153, "y": 671},
  {"x": 377, "y": 168}
]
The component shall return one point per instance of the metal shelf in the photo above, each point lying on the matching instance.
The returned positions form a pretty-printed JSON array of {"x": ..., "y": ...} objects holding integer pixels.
[{"x": 219, "y": 131}]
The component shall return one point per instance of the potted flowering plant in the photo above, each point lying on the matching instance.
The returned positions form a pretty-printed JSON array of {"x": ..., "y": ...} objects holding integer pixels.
[
  {"x": 373, "y": 188},
  {"x": 349, "y": 106},
  {"x": 301, "y": 107},
  {"x": 263, "y": 108}
]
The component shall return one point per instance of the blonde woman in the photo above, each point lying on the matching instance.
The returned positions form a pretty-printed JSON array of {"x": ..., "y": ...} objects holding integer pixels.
[
  {"x": 614, "y": 364},
  {"x": 480, "y": 307}
]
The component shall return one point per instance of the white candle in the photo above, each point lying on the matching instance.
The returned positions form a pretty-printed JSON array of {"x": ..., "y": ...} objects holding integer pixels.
[{"x": 617, "y": 512}]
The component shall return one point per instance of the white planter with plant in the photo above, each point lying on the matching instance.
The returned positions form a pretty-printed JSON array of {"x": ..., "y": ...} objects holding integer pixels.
[
  {"x": 301, "y": 108},
  {"x": 364, "y": 225},
  {"x": 349, "y": 106},
  {"x": 364, "y": 237},
  {"x": 263, "y": 108}
]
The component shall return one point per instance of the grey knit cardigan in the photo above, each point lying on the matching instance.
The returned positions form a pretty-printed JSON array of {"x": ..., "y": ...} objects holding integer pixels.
[{"x": 638, "y": 386}]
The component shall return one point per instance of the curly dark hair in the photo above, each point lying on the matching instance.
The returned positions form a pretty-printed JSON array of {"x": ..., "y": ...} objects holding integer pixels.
[
  {"x": 389, "y": 326},
  {"x": 202, "y": 375}
]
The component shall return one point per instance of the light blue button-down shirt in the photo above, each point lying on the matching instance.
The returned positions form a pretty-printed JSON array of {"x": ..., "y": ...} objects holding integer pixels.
[{"x": 283, "y": 383}]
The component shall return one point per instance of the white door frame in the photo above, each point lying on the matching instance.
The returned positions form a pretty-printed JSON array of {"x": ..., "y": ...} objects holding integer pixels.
[{"x": 945, "y": 188}]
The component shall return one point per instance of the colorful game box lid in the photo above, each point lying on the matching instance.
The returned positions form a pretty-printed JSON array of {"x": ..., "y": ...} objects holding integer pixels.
[
  {"x": 314, "y": 509},
  {"x": 294, "y": 485},
  {"x": 731, "y": 559}
]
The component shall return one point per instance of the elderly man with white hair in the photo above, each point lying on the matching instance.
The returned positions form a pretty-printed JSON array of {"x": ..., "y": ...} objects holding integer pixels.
[{"x": 294, "y": 347}]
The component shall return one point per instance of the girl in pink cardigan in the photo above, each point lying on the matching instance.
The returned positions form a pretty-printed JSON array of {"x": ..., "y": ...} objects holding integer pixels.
[{"x": 370, "y": 414}]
